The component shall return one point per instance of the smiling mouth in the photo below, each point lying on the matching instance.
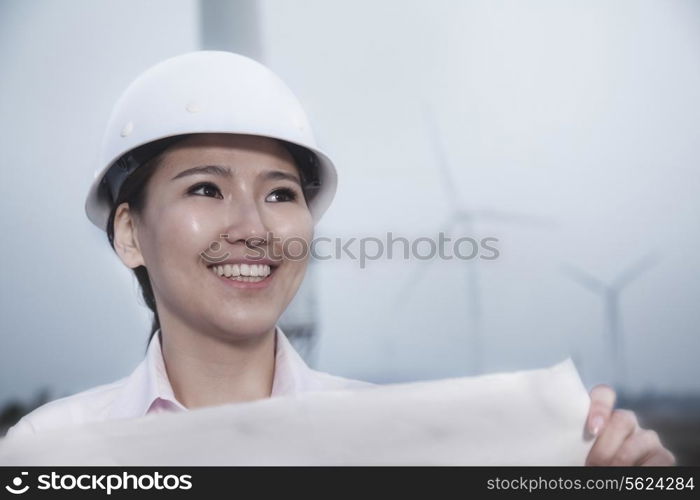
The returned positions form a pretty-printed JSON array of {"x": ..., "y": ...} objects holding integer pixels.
[{"x": 251, "y": 273}]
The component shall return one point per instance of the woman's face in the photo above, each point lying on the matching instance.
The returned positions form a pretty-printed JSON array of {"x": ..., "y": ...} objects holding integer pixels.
[{"x": 214, "y": 202}]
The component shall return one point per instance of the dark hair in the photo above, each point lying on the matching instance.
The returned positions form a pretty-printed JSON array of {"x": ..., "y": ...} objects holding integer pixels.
[{"x": 133, "y": 192}]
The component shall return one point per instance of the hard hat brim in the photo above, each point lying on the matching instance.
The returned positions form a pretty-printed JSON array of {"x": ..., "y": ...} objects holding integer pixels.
[{"x": 98, "y": 203}]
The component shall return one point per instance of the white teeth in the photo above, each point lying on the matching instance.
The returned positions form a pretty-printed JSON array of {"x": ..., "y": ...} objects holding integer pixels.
[{"x": 243, "y": 272}]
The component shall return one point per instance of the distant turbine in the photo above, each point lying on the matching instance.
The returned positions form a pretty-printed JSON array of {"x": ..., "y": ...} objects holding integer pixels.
[
  {"x": 465, "y": 219},
  {"x": 611, "y": 298}
]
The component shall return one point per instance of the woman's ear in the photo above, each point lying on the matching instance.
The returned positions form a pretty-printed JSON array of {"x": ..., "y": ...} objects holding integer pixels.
[{"x": 126, "y": 241}]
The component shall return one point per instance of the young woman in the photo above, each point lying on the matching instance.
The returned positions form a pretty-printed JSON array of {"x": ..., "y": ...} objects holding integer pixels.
[{"x": 211, "y": 186}]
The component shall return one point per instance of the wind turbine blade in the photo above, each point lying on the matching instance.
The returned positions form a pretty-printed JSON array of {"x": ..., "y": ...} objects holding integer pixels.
[
  {"x": 515, "y": 218},
  {"x": 583, "y": 278},
  {"x": 635, "y": 270},
  {"x": 441, "y": 158}
]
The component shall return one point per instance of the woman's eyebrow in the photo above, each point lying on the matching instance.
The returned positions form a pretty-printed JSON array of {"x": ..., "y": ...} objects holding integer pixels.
[
  {"x": 226, "y": 172},
  {"x": 279, "y": 174},
  {"x": 205, "y": 169}
]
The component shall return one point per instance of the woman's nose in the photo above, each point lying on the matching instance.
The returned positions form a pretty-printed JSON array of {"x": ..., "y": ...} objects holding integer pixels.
[{"x": 245, "y": 224}]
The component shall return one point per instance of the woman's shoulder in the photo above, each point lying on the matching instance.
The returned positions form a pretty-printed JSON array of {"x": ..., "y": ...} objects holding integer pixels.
[{"x": 83, "y": 407}]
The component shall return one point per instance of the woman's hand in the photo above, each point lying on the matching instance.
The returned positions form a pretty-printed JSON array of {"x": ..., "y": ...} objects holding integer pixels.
[{"x": 619, "y": 439}]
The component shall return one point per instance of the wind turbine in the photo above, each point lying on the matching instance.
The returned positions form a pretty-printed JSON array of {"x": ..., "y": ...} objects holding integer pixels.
[
  {"x": 610, "y": 292},
  {"x": 465, "y": 219}
]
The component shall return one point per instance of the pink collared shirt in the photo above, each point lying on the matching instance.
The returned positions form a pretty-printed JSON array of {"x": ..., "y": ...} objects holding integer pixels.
[{"x": 147, "y": 390}]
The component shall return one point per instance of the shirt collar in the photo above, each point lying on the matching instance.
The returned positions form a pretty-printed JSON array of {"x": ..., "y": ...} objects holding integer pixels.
[{"x": 148, "y": 386}]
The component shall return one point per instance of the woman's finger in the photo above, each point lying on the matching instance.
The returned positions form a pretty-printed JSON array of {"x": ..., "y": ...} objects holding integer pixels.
[
  {"x": 637, "y": 448},
  {"x": 661, "y": 457},
  {"x": 602, "y": 404},
  {"x": 621, "y": 425}
]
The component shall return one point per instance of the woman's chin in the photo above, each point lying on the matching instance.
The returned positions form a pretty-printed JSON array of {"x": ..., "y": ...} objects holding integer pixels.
[{"x": 248, "y": 328}]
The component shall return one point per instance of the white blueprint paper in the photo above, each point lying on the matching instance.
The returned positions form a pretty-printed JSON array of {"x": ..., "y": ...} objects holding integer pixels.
[{"x": 532, "y": 417}]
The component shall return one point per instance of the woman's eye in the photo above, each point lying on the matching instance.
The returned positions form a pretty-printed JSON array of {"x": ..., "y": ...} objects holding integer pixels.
[
  {"x": 205, "y": 189},
  {"x": 283, "y": 194}
]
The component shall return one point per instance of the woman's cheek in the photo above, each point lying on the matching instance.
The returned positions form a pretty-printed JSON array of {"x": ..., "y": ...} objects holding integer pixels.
[
  {"x": 188, "y": 228},
  {"x": 295, "y": 226},
  {"x": 176, "y": 237}
]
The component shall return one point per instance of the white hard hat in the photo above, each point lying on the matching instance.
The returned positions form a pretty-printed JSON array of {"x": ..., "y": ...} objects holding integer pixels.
[{"x": 205, "y": 92}]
